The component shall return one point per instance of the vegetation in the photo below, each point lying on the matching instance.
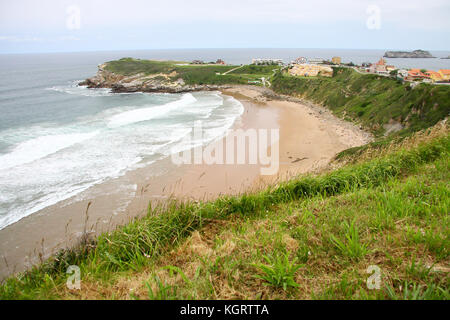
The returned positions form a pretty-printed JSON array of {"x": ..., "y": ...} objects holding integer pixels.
[
  {"x": 311, "y": 237},
  {"x": 314, "y": 237},
  {"x": 191, "y": 74},
  {"x": 374, "y": 101}
]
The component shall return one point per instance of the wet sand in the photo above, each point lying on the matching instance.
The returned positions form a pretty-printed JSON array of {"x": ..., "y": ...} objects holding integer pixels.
[{"x": 309, "y": 138}]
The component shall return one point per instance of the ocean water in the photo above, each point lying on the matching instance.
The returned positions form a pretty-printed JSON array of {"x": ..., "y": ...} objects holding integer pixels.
[{"x": 57, "y": 139}]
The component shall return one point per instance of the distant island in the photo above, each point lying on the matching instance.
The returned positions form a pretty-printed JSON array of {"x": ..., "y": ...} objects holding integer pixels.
[
  {"x": 446, "y": 57},
  {"x": 406, "y": 54}
]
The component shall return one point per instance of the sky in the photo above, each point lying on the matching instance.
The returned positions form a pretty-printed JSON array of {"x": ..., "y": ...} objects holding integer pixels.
[{"x": 101, "y": 25}]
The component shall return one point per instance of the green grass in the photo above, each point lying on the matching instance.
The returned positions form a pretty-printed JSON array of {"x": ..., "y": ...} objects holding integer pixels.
[
  {"x": 191, "y": 74},
  {"x": 382, "y": 211},
  {"x": 351, "y": 246},
  {"x": 371, "y": 100},
  {"x": 280, "y": 271}
]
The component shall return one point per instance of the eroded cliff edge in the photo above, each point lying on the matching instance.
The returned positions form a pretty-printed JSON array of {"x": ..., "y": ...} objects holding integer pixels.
[{"x": 140, "y": 82}]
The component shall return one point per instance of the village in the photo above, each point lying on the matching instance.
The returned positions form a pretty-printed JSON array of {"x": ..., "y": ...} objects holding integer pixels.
[{"x": 312, "y": 67}]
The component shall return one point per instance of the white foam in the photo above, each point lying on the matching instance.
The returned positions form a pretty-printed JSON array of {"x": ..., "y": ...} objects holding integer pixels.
[
  {"x": 41, "y": 147},
  {"x": 145, "y": 114},
  {"x": 49, "y": 164},
  {"x": 74, "y": 89}
]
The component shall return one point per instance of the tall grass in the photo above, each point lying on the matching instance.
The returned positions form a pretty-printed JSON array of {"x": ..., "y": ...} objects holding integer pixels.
[{"x": 137, "y": 244}]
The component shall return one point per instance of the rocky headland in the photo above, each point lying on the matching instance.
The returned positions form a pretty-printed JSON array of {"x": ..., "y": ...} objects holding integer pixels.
[{"x": 164, "y": 83}]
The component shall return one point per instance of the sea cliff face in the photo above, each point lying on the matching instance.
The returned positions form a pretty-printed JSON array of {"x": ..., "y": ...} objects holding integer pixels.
[
  {"x": 405, "y": 54},
  {"x": 165, "y": 83}
]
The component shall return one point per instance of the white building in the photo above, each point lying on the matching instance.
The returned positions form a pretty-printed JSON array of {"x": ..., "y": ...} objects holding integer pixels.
[
  {"x": 300, "y": 60},
  {"x": 316, "y": 61},
  {"x": 267, "y": 62},
  {"x": 402, "y": 73}
]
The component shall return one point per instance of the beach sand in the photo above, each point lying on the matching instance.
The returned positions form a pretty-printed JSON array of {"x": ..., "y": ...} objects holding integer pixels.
[{"x": 310, "y": 137}]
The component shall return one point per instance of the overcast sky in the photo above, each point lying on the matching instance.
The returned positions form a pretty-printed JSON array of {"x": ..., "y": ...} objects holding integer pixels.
[{"x": 88, "y": 25}]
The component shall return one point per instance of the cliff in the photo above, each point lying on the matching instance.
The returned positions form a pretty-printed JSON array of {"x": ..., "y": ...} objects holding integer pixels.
[
  {"x": 405, "y": 54},
  {"x": 380, "y": 104},
  {"x": 141, "y": 82}
]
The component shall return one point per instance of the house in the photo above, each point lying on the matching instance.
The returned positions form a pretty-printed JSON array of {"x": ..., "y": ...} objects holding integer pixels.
[
  {"x": 220, "y": 61},
  {"x": 310, "y": 70},
  {"x": 390, "y": 68},
  {"x": 402, "y": 73},
  {"x": 445, "y": 73},
  {"x": 417, "y": 74},
  {"x": 379, "y": 67},
  {"x": 336, "y": 60},
  {"x": 316, "y": 61},
  {"x": 434, "y": 76},
  {"x": 300, "y": 60},
  {"x": 268, "y": 62}
]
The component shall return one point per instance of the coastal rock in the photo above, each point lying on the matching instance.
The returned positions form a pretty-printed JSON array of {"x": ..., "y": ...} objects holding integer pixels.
[
  {"x": 406, "y": 54},
  {"x": 156, "y": 83}
]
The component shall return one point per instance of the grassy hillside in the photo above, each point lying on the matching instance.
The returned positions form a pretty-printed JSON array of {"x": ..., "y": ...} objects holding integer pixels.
[
  {"x": 371, "y": 100},
  {"x": 378, "y": 103},
  {"x": 191, "y": 74},
  {"x": 311, "y": 237}
]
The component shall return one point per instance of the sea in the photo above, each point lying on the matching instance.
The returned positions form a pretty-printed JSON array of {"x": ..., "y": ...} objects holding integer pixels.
[{"x": 58, "y": 139}]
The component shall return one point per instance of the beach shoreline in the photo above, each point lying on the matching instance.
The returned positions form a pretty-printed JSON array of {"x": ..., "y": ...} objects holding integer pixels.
[{"x": 310, "y": 136}]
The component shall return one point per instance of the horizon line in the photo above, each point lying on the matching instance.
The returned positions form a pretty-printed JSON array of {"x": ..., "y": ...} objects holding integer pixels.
[{"x": 214, "y": 48}]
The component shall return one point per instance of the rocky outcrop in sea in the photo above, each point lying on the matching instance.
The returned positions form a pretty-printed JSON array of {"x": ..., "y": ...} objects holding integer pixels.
[{"x": 406, "y": 54}]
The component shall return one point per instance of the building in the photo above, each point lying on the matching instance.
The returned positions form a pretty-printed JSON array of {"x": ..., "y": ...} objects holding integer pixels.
[
  {"x": 197, "y": 62},
  {"x": 390, "y": 68},
  {"x": 417, "y": 75},
  {"x": 300, "y": 60},
  {"x": 434, "y": 76},
  {"x": 402, "y": 73},
  {"x": 316, "y": 61},
  {"x": 379, "y": 67},
  {"x": 336, "y": 60},
  {"x": 445, "y": 74},
  {"x": 268, "y": 62},
  {"x": 220, "y": 61},
  {"x": 310, "y": 70}
]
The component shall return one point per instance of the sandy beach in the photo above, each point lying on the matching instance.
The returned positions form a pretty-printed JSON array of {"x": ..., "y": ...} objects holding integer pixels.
[{"x": 309, "y": 138}]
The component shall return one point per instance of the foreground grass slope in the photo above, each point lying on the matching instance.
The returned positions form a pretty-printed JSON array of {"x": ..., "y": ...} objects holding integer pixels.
[{"x": 312, "y": 237}]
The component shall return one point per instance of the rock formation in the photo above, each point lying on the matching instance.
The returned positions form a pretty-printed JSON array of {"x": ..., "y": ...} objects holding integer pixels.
[{"x": 405, "y": 54}]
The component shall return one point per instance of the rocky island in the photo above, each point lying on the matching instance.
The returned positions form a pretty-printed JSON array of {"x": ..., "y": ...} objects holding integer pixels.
[{"x": 406, "y": 54}]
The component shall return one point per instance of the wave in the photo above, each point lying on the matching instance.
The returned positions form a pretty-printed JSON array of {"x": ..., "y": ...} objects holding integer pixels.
[
  {"x": 35, "y": 149},
  {"x": 74, "y": 89},
  {"x": 145, "y": 114},
  {"x": 49, "y": 169}
]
